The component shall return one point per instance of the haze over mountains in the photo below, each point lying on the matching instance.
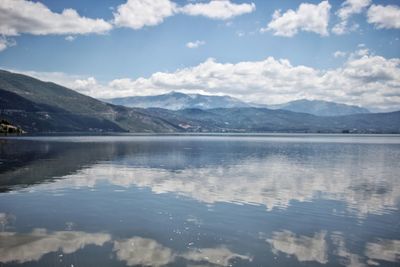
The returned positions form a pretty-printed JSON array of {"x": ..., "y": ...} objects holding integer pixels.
[
  {"x": 177, "y": 101},
  {"x": 37, "y": 106}
]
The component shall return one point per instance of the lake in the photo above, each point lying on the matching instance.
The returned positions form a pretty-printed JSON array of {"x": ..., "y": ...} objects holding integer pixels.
[{"x": 273, "y": 200}]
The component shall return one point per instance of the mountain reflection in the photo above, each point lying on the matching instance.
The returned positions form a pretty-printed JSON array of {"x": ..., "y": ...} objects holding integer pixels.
[
  {"x": 269, "y": 174},
  {"x": 200, "y": 203}
]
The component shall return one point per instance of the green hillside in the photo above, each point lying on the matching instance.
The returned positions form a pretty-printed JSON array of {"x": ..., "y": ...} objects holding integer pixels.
[{"x": 38, "y": 106}]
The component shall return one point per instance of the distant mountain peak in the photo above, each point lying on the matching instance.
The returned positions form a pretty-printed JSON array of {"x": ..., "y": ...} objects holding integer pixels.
[{"x": 176, "y": 100}]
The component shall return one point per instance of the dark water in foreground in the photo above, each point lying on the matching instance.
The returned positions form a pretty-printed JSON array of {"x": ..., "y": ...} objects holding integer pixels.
[{"x": 200, "y": 201}]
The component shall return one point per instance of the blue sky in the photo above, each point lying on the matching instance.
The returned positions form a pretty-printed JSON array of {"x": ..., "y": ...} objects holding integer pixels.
[{"x": 133, "y": 50}]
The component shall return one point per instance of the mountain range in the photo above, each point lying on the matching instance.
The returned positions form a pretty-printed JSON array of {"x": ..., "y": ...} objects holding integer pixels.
[
  {"x": 320, "y": 107},
  {"x": 37, "y": 106},
  {"x": 177, "y": 101}
]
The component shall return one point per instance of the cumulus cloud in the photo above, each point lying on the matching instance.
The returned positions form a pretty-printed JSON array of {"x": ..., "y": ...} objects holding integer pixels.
[
  {"x": 195, "y": 44},
  {"x": 6, "y": 42},
  {"x": 384, "y": 17},
  {"x": 70, "y": 38},
  {"x": 84, "y": 83},
  {"x": 136, "y": 14},
  {"x": 215, "y": 9},
  {"x": 308, "y": 17},
  {"x": 348, "y": 8},
  {"x": 363, "y": 79},
  {"x": 339, "y": 54},
  {"x": 20, "y": 16}
]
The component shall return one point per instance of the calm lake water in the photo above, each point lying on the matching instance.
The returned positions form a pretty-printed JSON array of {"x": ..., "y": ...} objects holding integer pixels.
[{"x": 281, "y": 200}]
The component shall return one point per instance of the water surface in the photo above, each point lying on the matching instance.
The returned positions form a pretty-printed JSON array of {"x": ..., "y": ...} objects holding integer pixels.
[{"x": 278, "y": 200}]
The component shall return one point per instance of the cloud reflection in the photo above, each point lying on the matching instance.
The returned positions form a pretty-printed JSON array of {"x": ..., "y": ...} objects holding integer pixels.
[
  {"x": 347, "y": 258},
  {"x": 220, "y": 256},
  {"x": 148, "y": 252},
  {"x": 315, "y": 248},
  {"x": 304, "y": 248},
  {"x": 21, "y": 247},
  {"x": 383, "y": 249},
  {"x": 143, "y": 251},
  {"x": 25, "y": 247},
  {"x": 273, "y": 182}
]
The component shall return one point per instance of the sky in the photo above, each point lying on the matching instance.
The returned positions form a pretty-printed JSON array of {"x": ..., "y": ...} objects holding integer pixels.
[{"x": 260, "y": 51}]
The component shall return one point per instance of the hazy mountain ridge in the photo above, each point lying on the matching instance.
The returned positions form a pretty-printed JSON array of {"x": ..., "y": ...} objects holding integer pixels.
[
  {"x": 177, "y": 101},
  {"x": 320, "y": 107},
  {"x": 37, "y": 106}
]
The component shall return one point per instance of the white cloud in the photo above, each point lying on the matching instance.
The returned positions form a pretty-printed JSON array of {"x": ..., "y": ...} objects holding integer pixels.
[
  {"x": 348, "y": 8},
  {"x": 85, "y": 82},
  {"x": 195, "y": 44},
  {"x": 70, "y": 38},
  {"x": 339, "y": 54},
  {"x": 61, "y": 78},
  {"x": 363, "y": 79},
  {"x": 222, "y": 9},
  {"x": 136, "y": 14},
  {"x": 384, "y": 17},
  {"x": 360, "y": 53},
  {"x": 20, "y": 16},
  {"x": 6, "y": 42},
  {"x": 274, "y": 81},
  {"x": 308, "y": 17}
]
